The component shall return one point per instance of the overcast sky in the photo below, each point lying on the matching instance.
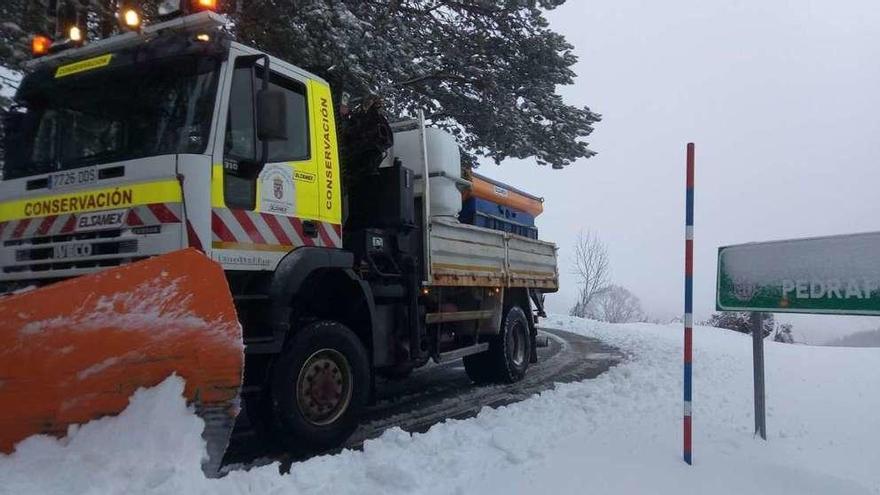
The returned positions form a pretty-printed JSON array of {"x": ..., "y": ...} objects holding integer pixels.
[{"x": 782, "y": 99}]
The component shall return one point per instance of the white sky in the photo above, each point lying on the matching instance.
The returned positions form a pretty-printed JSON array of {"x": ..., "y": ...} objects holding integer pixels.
[{"x": 782, "y": 100}]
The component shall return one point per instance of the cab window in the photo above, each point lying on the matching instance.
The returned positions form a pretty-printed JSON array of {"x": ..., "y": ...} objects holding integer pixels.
[
  {"x": 240, "y": 131},
  {"x": 241, "y": 142},
  {"x": 296, "y": 146}
]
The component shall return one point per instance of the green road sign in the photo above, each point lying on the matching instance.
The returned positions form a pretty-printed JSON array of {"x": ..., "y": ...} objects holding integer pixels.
[{"x": 833, "y": 275}]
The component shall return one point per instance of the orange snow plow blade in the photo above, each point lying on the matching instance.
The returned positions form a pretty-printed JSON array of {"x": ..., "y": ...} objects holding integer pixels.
[{"x": 76, "y": 350}]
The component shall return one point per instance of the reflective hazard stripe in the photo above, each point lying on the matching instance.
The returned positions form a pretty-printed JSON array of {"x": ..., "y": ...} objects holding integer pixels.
[
  {"x": 220, "y": 232},
  {"x": 322, "y": 234},
  {"x": 46, "y": 225},
  {"x": 69, "y": 225},
  {"x": 243, "y": 229},
  {"x": 250, "y": 229},
  {"x": 149, "y": 214},
  {"x": 20, "y": 229},
  {"x": 300, "y": 232},
  {"x": 278, "y": 230},
  {"x": 334, "y": 232},
  {"x": 155, "y": 214},
  {"x": 163, "y": 213}
]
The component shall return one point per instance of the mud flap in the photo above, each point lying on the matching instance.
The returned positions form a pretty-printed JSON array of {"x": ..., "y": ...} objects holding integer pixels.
[{"x": 76, "y": 350}]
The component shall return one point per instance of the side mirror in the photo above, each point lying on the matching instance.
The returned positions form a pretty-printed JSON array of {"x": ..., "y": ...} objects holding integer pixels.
[{"x": 271, "y": 115}]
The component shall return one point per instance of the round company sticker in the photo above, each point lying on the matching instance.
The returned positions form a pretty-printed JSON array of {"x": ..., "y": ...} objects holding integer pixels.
[{"x": 277, "y": 191}]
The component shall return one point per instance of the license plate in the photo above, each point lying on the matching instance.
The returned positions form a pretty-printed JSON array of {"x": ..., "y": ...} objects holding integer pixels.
[
  {"x": 70, "y": 178},
  {"x": 99, "y": 220},
  {"x": 76, "y": 250}
]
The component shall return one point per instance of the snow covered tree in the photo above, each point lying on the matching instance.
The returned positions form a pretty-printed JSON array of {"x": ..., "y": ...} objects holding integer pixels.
[
  {"x": 740, "y": 321},
  {"x": 486, "y": 70},
  {"x": 19, "y": 20}
]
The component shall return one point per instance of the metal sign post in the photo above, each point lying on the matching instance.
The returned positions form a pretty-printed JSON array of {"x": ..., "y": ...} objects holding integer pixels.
[
  {"x": 758, "y": 363},
  {"x": 688, "y": 302}
]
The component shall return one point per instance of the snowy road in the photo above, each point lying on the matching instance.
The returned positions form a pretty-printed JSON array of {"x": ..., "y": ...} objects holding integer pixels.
[
  {"x": 441, "y": 391},
  {"x": 619, "y": 433},
  {"x": 438, "y": 392}
]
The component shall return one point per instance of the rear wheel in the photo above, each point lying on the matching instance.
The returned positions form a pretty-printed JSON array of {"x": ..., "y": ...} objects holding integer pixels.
[
  {"x": 321, "y": 382},
  {"x": 507, "y": 358}
]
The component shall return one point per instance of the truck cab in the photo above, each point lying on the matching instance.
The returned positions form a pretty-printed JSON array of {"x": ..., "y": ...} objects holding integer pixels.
[{"x": 154, "y": 147}]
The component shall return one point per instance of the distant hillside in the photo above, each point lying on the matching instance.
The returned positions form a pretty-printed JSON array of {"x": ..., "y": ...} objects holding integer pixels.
[{"x": 867, "y": 338}]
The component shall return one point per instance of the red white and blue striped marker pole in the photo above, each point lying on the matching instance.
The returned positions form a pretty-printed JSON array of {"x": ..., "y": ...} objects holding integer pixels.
[{"x": 688, "y": 301}]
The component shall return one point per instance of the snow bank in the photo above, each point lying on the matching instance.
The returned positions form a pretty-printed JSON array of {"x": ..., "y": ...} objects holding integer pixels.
[
  {"x": 154, "y": 446},
  {"x": 619, "y": 433}
]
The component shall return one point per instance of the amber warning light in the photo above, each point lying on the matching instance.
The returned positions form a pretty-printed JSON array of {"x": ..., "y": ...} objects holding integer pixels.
[
  {"x": 75, "y": 34},
  {"x": 40, "y": 45},
  {"x": 205, "y": 4},
  {"x": 130, "y": 18},
  {"x": 173, "y": 8}
]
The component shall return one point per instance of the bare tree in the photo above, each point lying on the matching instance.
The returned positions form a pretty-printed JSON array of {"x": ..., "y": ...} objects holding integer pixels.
[
  {"x": 616, "y": 304},
  {"x": 591, "y": 269}
]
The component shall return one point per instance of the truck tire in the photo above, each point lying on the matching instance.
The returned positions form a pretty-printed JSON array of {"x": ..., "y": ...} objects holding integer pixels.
[
  {"x": 320, "y": 384},
  {"x": 507, "y": 358}
]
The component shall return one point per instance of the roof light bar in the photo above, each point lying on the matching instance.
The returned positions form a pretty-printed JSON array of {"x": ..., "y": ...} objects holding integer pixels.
[{"x": 202, "y": 22}]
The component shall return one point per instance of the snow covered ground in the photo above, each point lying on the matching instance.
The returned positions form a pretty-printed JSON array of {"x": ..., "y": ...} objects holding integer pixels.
[{"x": 619, "y": 433}]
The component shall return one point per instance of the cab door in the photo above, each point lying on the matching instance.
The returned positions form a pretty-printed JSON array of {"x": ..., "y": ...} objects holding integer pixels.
[{"x": 277, "y": 210}]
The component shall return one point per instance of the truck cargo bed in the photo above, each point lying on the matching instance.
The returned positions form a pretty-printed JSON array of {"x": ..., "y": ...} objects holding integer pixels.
[{"x": 466, "y": 255}]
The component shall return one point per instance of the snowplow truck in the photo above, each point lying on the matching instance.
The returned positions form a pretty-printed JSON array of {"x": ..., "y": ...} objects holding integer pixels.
[{"x": 172, "y": 202}]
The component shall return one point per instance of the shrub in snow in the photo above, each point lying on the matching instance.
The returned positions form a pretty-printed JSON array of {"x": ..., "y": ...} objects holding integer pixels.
[{"x": 740, "y": 321}]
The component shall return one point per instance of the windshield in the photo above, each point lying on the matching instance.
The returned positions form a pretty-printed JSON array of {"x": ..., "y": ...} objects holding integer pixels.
[{"x": 114, "y": 113}]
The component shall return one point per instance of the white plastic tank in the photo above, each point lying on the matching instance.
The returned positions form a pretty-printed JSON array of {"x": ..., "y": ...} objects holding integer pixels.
[{"x": 443, "y": 156}]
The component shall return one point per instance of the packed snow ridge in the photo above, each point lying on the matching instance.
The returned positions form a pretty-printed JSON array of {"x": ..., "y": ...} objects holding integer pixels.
[{"x": 618, "y": 433}]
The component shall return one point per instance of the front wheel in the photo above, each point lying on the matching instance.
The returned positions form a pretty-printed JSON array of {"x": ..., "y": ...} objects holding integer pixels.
[
  {"x": 320, "y": 383},
  {"x": 507, "y": 358}
]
